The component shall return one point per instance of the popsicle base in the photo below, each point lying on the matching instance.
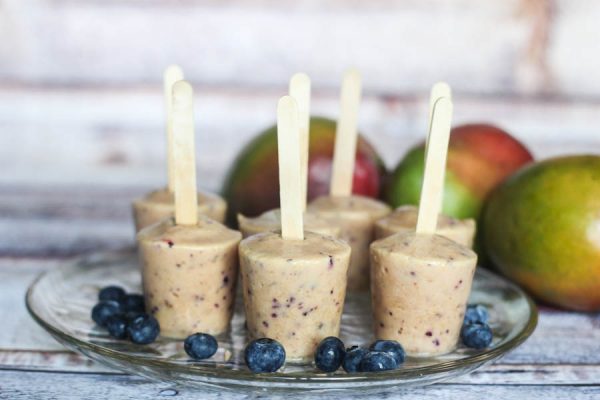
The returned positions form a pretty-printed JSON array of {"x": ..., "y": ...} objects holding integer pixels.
[
  {"x": 270, "y": 221},
  {"x": 355, "y": 216},
  {"x": 294, "y": 290},
  {"x": 189, "y": 276},
  {"x": 159, "y": 205},
  {"x": 404, "y": 219},
  {"x": 419, "y": 289}
]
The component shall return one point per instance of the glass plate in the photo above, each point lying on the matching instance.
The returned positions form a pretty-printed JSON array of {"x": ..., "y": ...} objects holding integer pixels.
[{"x": 61, "y": 299}]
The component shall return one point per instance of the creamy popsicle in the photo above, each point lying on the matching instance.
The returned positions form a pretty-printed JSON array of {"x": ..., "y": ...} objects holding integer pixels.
[
  {"x": 420, "y": 288},
  {"x": 270, "y": 221},
  {"x": 354, "y": 215},
  {"x": 190, "y": 263},
  {"x": 294, "y": 290},
  {"x": 404, "y": 219},
  {"x": 420, "y": 280},
  {"x": 189, "y": 275},
  {"x": 294, "y": 282},
  {"x": 159, "y": 204}
]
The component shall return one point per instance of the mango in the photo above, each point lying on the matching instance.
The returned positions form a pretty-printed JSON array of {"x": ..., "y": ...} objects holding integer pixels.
[
  {"x": 480, "y": 156},
  {"x": 541, "y": 228}
]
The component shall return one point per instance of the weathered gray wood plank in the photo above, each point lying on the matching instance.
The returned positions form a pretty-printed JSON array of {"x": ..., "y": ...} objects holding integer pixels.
[
  {"x": 535, "y": 374},
  {"x": 80, "y": 202},
  {"x": 499, "y": 373},
  {"x": 116, "y": 136},
  {"x": 56, "y": 360},
  {"x": 493, "y": 47},
  {"x": 234, "y": 42},
  {"x": 18, "y": 385},
  {"x": 571, "y": 34},
  {"x": 62, "y": 238},
  {"x": 19, "y": 330},
  {"x": 44, "y": 221}
]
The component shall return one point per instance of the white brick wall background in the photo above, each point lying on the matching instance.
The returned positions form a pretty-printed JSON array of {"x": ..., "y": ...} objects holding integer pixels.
[{"x": 80, "y": 80}]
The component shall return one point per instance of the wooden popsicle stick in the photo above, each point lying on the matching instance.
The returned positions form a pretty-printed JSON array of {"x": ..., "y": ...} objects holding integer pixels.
[
  {"x": 438, "y": 90},
  {"x": 172, "y": 74},
  {"x": 300, "y": 91},
  {"x": 288, "y": 143},
  {"x": 184, "y": 155},
  {"x": 435, "y": 167},
  {"x": 344, "y": 153}
]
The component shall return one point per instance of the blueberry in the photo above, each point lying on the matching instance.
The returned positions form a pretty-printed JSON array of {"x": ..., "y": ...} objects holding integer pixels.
[
  {"x": 376, "y": 361},
  {"x": 200, "y": 346},
  {"x": 391, "y": 347},
  {"x": 477, "y": 336},
  {"x": 264, "y": 355},
  {"x": 476, "y": 313},
  {"x": 131, "y": 315},
  {"x": 115, "y": 293},
  {"x": 104, "y": 310},
  {"x": 117, "y": 326},
  {"x": 330, "y": 354},
  {"x": 134, "y": 303},
  {"x": 143, "y": 329},
  {"x": 353, "y": 357}
]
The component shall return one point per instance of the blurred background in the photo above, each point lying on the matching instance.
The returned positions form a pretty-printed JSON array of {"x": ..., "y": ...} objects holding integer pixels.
[{"x": 81, "y": 107}]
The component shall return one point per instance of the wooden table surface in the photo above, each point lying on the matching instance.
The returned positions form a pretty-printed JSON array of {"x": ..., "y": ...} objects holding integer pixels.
[{"x": 44, "y": 227}]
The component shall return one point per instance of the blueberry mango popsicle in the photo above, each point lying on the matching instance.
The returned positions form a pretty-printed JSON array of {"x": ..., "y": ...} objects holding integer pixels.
[
  {"x": 189, "y": 275},
  {"x": 421, "y": 284},
  {"x": 299, "y": 89},
  {"x": 404, "y": 219},
  {"x": 160, "y": 204},
  {"x": 189, "y": 263},
  {"x": 294, "y": 281},
  {"x": 355, "y": 216},
  {"x": 294, "y": 290},
  {"x": 420, "y": 281}
]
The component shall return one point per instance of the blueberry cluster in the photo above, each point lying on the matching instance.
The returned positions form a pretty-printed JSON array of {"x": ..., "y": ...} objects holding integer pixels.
[
  {"x": 382, "y": 355},
  {"x": 475, "y": 332},
  {"x": 123, "y": 315}
]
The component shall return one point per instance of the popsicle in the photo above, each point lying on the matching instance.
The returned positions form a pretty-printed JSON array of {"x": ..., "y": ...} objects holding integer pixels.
[
  {"x": 421, "y": 280},
  {"x": 404, "y": 218},
  {"x": 270, "y": 220},
  {"x": 355, "y": 216},
  {"x": 159, "y": 204},
  {"x": 294, "y": 281},
  {"x": 190, "y": 262}
]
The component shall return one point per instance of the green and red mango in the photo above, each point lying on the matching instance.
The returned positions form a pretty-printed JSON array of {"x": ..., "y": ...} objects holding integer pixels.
[{"x": 480, "y": 156}]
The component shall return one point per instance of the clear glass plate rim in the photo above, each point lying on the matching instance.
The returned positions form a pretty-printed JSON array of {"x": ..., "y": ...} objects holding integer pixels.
[{"x": 274, "y": 378}]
